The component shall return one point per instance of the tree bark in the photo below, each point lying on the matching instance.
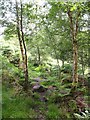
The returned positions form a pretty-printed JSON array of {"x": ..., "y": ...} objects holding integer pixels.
[
  {"x": 39, "y": 56},
  {"x": 18, "y": 31},
  {"x": 82, "y": 63},
  {"x": 75, "y": 47},
  {"x": 22, "y": 43},
  {"x": 62, "y": 63},
  {"x": 25, "y": 51}
]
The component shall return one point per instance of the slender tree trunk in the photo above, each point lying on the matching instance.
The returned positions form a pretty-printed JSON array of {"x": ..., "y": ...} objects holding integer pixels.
[
  {"x": 22, "y": 44},
  {"x": 39, "y": 56},
  {"x": 74, "y": 32},
  {"x": 59, "y": 70},
  {"x": 83, "y": 69},
  {"x": 82, "y": 63},
  {"x": 75, "y": 62},
  {"x": 62, "y": 63},
  {"x": 18, "y": 31},
  {"x": 25, "y": 52},
  {"x": 88, "y": 40}
]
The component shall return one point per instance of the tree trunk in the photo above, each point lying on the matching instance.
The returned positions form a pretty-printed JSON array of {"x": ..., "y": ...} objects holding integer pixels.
[
  {"x": 25, "y": 52},
  {"x": 39, "y": 56},
  {"x": 75, "y": 62},
  {"x": 83, "y": 69},
  {"x": 82, "y": 63},
  {"x": 22, "y": 44},
  {"x": 18, "y": 31},
  {"x": 59, "y": 70},
  {"x": 62, "y": 63},
  {"x": 74, "y": 32}
]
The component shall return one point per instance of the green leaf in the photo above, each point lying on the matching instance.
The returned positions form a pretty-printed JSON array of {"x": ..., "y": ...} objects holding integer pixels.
[{"x": 73, "y": 8}]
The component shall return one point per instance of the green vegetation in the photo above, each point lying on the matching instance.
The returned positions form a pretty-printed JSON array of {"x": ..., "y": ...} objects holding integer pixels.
[
  {"x": 45, "y": 60},
  {"x": 53, "y": 103}
]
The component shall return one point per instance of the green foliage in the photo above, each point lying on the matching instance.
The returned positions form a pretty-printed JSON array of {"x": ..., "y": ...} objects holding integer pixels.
[
  {"x": 53, "y": 112},
  {"x": 15, "y": 59},
  {"x": 67, "y": 68},
  {"x": 10, "y": 31},
  {"x": 64, "y": 113},
  {"x": 12, "y": 56},
  {"x": 72, "y": 105},
  {"x": 17, "y": 106},
  {"x": 39, "y": 68},
  {"x": 9, "y": 71},
  {"x": 47, "y": 34},
  {"x": 54, "y": 69},
  {"x": 36, "y": 96},
  {"x": 48, "y": 82},
  {"x": 6, "y": 51}
]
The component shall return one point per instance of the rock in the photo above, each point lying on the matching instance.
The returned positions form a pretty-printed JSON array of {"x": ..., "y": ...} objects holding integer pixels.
[
  {"x": 39, "y": 88},
  {"x": 36, "y": 87},
  {"x": 38, "y": 79}
]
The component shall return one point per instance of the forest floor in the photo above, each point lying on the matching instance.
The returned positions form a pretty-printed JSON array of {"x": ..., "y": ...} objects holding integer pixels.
[
  {"x": 48, "y": 98},
  {"x": 42, "y": 102}
]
